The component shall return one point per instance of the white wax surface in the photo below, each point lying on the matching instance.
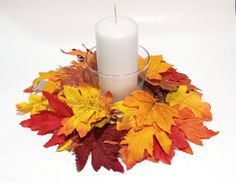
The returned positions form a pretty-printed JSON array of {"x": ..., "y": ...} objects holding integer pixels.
[
  {"x": 117, "y": 45},
  {"x": 117, "y": 53}
]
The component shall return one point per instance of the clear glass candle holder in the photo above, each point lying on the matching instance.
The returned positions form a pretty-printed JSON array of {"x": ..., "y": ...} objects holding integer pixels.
[{"x": 119, "y": 85}]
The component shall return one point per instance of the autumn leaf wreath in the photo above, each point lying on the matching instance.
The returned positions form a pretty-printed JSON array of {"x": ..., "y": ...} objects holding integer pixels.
[{"x": 149, "y": 124}]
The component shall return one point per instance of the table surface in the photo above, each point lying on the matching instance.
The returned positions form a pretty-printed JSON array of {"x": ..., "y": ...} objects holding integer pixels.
[{"x": 198, "y": 37}]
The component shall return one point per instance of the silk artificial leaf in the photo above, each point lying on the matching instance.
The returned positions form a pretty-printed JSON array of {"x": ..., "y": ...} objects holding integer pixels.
[
  {"x": 83, "y": 55},
  {"x": 75, "y": 74},
  {"x": 128, "y": 119},
  {"x": 45, "y": 122},
  {"x": 75, "y": 52},
  {"x": 69, "y": 144},
  {"x": 52, "y": 75},
  {"x": 51, "y": 86},
  {"x": 50, "y": 121},
  {"x": 160, "y": 155},
  {"x": 179, "y": 141},
  {"x": 103, "y": 153},
  {"x": 89, "y": 108},
  {"x": 59, "y": 107},
  {"x": 193, "y": 127},
  {"x": 140, "y": 141},
  {"x": 150, "y": 111},
  {"x": 51, "y": 80},
  {"x": 34, "y": 105},
  {"x": 165, "y": 84},
  {"x": 55, "y": 140},
  {"x": 191, "y": 100},
  {"x": 47, "y": 81},
  {"x": 156, "y": 67},
  {"x": 172, "y": 79}
]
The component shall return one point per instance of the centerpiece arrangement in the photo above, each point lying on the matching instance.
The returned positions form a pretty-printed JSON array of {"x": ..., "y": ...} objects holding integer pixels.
[{"x": 116, "y": 103}]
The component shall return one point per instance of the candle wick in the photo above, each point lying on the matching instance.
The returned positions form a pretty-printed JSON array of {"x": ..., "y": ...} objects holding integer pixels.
[{"x": 115, "y": 13}]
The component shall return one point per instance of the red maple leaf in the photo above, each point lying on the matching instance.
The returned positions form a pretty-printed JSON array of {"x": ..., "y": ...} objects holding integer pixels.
[
  {"x": 172, "y": 79},
  {"x": 49, "y": 121},
  {"x": 103, "y": 143},
  {"x": 159, "y": 153},
  {"x": 179, "y": 141}
]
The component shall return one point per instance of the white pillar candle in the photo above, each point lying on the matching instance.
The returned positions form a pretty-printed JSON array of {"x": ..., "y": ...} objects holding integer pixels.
[{"x": 117, "y": 54}]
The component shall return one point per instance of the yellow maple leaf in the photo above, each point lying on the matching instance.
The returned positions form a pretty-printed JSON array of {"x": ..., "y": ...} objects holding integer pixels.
[
  {"x": 191, "y": 100},
  {"x": 35, "y": 105},
  {"x": 50, "y": 80},
  {"x": 140, "y": 141},
  {"x": 156, "y": 66},
  {"x": 128, "y": 118},
  {"x": 88, "y": 106},
  {"x": 52, "y": 75},
  {"x": 149, "y": 111},
  {"x": 51, "y": 86}
]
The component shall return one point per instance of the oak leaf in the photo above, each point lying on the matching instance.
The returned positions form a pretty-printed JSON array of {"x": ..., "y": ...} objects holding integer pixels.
[
  {"x": 89, "y": 108},
  {"x": 193, "y": 127},
  {"x": 191, "y": 100},
  {"x": 98, "y": 143}
]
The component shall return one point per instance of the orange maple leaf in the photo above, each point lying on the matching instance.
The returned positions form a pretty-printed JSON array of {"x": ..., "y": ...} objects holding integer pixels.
[
  {"x": 191, "y": 100},
  {"x": 75, "y": 52},
  {"x": 139, "y": 142},
  {"x": 150, "y": 111},
  {"x": 155, "y": 68},
  {"x": 146, "y": 119},
  {"x": 193, "y": 127}
]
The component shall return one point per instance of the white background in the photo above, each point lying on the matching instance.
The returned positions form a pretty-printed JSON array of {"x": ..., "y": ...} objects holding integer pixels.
[{"x": 197, "y": 36}]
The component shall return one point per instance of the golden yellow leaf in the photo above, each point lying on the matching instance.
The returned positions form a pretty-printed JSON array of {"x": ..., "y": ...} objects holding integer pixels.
[
  {"x": 149, "y": 111},
  {"x": 156, "y": 66},
  {"x": 128, "y": 118},
  {"x": 50, "y": 86},
  {"x": 191, "y": 100},
  {"x": 52, "y": 75},
  {"x": 68, "y": 145},
  {"x": 88, "y": 106},
  {"x": 34, "y": 105},
  {"x": 140, "y": 141}
]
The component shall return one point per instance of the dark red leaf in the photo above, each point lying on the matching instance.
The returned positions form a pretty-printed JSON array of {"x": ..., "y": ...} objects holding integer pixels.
[{"x": 103, "y": 143}]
